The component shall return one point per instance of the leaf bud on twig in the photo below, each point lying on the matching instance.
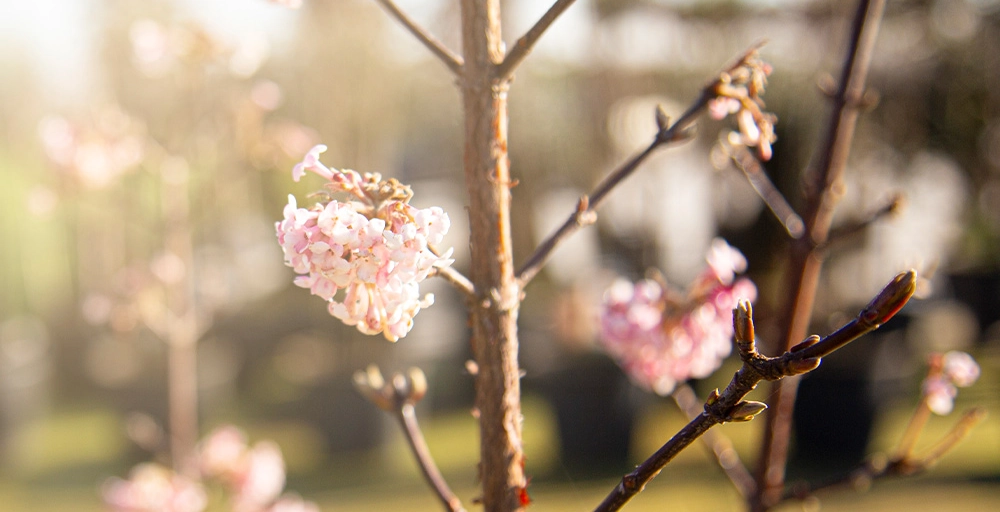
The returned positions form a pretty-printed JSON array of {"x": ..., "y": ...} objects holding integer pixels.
[
  {"x": 800, "y": 366},
  {"x": 806, "y": 343},
  {"x": 743, "y": 326},
  {"x": 746, "y": 410}
]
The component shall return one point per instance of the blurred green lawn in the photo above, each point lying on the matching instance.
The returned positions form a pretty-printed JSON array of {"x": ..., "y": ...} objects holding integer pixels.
[{"x": 62, "y": 460}]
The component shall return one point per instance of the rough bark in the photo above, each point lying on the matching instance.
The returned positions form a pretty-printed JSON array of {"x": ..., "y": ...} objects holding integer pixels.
[{"x": 494, "y": 310}]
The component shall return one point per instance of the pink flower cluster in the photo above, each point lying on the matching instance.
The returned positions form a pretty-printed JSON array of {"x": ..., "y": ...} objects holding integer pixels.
[
  {"x": 738, "y": 92},
  {"x": 376, "y": 247},
  {"x": 661, "y": 336},
  {"x": 154, "y": 488},
  {"x": 946, "y": 374},
  {"x": 253, "y": 476}
]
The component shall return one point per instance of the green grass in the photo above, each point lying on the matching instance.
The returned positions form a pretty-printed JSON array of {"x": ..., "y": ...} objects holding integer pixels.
[{"x": 57, "y": 464}]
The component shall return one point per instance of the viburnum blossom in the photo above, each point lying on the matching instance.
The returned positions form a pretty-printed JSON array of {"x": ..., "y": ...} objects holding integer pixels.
[
  {"x": 661, "y": 336},
  {"x": 254, "y": 476},
  {"x": 154, "y": 488},
  {"x": 366, "y": 256},
  {"x": 946, "y": 374},
  {"x": 738, "y": 92}
]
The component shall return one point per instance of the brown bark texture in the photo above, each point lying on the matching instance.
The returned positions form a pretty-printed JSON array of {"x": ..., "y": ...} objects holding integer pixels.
[{"x": 495, "y": 307}]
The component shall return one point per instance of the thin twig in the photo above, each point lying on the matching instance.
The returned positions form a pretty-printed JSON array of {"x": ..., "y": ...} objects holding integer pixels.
[
  {"x": 407, "y": 418},
  {"x": 527, "y": 42},
  {"x": 458, "y": 280},
  {"x": 720, "y": 446},
  {"x": 805, "y": 260},
  {"x": 878, "y": 467},
  {"x": 730, "y": 406},
  {"x": 448, "y": 57},
  {"x": 956, "y": 435},
  {"x": 586, "y": 210},
  {"x": 918, "y": 420},
  {"x": 745, "y": 161},
  {"x": 398, "y": 397},
  {"x": 841, "y": 232}
]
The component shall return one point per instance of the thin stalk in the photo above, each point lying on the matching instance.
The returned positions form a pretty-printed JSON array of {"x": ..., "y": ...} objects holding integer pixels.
[
  {"x": 527, "y": 42},
  {"x": 448, "y": 57},
  {"x": 719, "y": 445},
  {"x": 407, "y": 417}
]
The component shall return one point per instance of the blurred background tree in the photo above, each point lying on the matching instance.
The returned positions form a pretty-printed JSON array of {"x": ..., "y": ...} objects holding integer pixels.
[{"x": 111, "y": 110}]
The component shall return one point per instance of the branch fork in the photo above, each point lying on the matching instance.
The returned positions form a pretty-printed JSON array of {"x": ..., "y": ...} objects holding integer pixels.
[{"x": 398, "y": 396}]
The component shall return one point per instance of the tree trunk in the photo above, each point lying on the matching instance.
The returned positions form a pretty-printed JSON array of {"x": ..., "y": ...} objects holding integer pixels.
[{"x": 494, "y": 312}]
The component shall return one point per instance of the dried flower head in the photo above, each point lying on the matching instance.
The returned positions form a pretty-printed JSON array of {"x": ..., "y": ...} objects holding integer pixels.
[
  {"x": 738, "y": 91},
  {"x": 366, "y": 256},
  {"x": 661, "y": 336}
]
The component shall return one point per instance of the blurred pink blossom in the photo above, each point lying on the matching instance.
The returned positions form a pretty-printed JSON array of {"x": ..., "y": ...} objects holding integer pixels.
[
  {"x": 98, "y": 151},
  {"x": 154, "y": 488},
  {"x": 293, "y": 504},
  {"x": 377, "y": 248},
  {"x": 291, "y": 4},
  {"x": 221, "y": 453},
  {"x": 661, "y": 336},
  {"x": 946, "y": 374},
  {"x": 261, "y": 480}
]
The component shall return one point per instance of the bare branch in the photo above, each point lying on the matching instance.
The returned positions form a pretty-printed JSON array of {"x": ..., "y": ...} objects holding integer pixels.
[
  {"x": 458, "y": 280},
  {"x": 878, "y": 467},
  {"x": 527, "y": 42},
  {"x": 720, "y": 446},
  {"x": 805, "y": 262},
  {"x": 956, "y": 435},
  {"x": 586, "y": 211},
  {"x": 398, "y": 397},
  {"x": 448, "y": 57},
  {"x": 893, "y": 205},
  {"x": 730, "y": 406}
]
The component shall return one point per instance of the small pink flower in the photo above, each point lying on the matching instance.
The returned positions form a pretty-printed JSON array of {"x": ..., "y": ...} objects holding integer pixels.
[
  {"x": 661, "y": 337},
  {"x": 311, "y": 163},
  {"x": 961, "y": 368},
  {"x": 946, "y": 374},
  {"x": 721, "y": 107},
  {"x": 940, "y": 394},
  {"x": 221, "y": 453},
  {"x": 261, "y": 480}
]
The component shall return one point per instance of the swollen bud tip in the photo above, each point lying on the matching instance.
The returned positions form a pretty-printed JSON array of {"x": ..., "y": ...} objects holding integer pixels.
[
  {"x": 891, "y": 299},
  {"x": 743, "y": 325}
]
